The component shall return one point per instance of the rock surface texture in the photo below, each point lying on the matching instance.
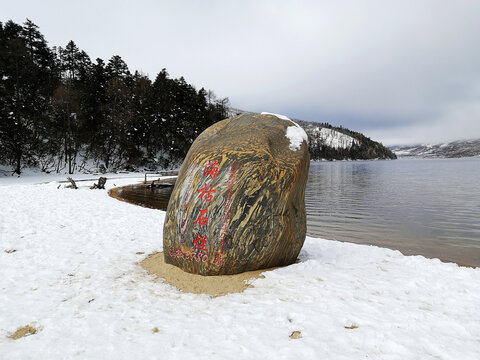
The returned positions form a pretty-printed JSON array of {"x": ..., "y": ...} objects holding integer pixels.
[{"x": 239, "y": 200}]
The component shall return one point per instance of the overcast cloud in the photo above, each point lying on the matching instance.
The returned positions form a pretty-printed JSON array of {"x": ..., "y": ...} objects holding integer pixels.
[{"x": 398, "y": 71}]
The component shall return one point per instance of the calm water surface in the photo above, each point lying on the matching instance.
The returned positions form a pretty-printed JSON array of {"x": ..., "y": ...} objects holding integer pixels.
[
  {"x": 144, "y": 195},
  {"x": 419, "y": 206}
]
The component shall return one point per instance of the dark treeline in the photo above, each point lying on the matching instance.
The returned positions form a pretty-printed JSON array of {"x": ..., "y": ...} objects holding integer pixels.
[
  {"x": 61, "y": 111},
  {"x": 367, "y": 149}
]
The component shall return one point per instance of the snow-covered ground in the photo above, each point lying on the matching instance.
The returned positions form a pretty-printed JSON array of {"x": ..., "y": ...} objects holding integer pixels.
[
  {"x": 35, "y": 176},
  {"x": 74, "y": 277}
]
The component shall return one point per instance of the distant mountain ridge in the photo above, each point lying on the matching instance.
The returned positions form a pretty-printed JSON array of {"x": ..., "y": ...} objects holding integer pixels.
[{"x": 454, "y": 149}]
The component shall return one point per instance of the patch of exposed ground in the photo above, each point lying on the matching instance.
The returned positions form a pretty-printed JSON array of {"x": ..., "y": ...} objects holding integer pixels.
[{"x": 22, "y": 332}]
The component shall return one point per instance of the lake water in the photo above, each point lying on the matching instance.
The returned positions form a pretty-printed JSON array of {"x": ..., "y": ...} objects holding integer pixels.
[
  {"x": 418, "y": 206},
  {"x": 144, "y": 195}
]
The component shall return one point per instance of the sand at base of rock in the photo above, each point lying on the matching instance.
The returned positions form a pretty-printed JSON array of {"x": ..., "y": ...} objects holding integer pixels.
[
  {"x": 198, "y": 284},
  {"x": 23, "y": 331}
]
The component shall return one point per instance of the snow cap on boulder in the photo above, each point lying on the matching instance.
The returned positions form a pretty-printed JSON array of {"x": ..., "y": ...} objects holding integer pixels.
[
  {"x": 295, "y": 133},
  {"x": 239, "y": 200}
]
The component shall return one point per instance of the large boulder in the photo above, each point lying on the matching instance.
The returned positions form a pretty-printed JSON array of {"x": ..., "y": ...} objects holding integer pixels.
[{"x": 239, "y": 200}]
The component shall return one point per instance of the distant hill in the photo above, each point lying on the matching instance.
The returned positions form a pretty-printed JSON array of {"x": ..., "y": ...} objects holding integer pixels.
[
  {"x": 455, "y": 149},
  {"x": 327, "y": 142}
]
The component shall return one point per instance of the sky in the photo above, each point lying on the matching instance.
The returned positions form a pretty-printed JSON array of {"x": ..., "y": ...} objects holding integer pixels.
[{"x": 401, "y": 72}]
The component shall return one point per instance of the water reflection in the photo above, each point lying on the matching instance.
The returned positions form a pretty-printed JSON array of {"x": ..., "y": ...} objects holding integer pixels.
[{"x": 145, "y": 195}]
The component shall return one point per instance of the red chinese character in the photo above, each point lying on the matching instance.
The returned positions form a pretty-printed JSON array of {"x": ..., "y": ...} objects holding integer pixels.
[
  {"x": 202, "y": 219},
  {"x": 218, "y": 259},
  {"x": 211, "y": 169},
  {"x": 199, "y": 243},
  {"x": 207, "y": 193},
  {"x": 179, "y": 253}
]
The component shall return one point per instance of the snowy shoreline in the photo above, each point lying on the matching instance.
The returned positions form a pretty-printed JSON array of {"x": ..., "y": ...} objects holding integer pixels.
[{"x": 69, "y": 264}]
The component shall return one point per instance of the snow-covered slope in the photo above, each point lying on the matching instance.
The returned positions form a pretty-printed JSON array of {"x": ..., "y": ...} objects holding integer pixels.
[
  {"x": 69, "y": 269},
  {"x": 330, "y": 142},
  {"x": 333, "y": 138},
  {"x": 461, "y": 148}
]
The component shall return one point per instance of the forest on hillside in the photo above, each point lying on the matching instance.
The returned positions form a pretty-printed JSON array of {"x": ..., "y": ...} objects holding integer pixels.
[
  {"x": 363, "y": 149},
  {"x": 61, "y": 111}
]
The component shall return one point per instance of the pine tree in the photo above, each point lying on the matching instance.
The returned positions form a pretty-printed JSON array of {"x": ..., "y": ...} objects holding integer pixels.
[
  {"x": 95, "y": 109},
  {"x": 70, "y": 101},
  {"x": 27, "y": 73},
  {"x": 118, "y": 112},
  {"x": 138, "y": 129}
]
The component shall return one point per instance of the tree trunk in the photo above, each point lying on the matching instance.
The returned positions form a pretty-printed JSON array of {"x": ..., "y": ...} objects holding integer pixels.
[{"x": 18, "y": 166}]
